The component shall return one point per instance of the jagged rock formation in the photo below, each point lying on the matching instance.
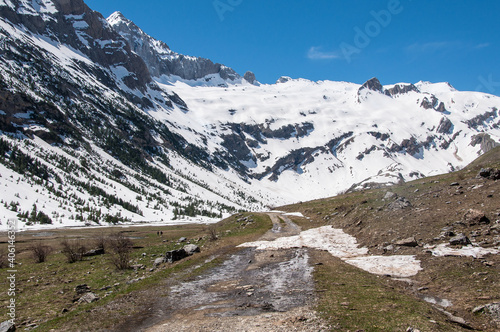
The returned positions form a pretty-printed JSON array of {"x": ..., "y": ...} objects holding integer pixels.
[{"x": 161, "y": 60}]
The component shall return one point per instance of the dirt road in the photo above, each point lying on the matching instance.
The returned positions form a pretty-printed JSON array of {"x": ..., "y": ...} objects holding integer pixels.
[{"x": 253, "y": 290}]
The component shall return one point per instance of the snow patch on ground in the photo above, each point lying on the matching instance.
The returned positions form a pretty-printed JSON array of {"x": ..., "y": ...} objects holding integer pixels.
[
  {"x": 344, "y": 246},
  {"x": 443, "y": 249},
  {"x": 294, "y": 214}
]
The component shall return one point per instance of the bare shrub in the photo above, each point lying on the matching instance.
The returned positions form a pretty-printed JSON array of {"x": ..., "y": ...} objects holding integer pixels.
[
  {"x": 3, "y": 258},
  {"x": 40, "y": 252},
  {"x": 73, "y": 250},
  {"x": 101, "y": 242},
  {"x": 212, "y": 232},
  {"x": 120, "y": 248}
]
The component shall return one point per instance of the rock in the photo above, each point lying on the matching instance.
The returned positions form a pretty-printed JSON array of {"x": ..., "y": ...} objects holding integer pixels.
[
  {"x": 491, "y": 309},
  {"x": 175, "y": 255},
  {"x": 399, "y": 203},
  {"x": 190, "y": 249},
  {"x": 445, "y": 126},
  {"x": 372, "y": 84},
  {"x": 94, "y": 252},
  {"x": 408, "y": 242},
  {"x": 474, "y": 217},
  {"x": 65, "y": 310},
  {"x": 88, "y": 298},
  {"x": 159, "y": 261},
  {"x": 460, "y": 239},
  {"x": 7, "y": 326},
  {"x": 389, "y": 195},
  {"x": 447, "y": 231},
  {"x": 82, "y": 289},
  {"x": 182, "y": 239},
  {"x": 454, "y": 184},
  {"x": 412, "y": 329},
  {"x": 138, "y": 267},
  {"x": 249, "y": 77},
  {"x": 388, "y": 248},
  {"x": 484, "y": 172},
  {"x": 283, "y": 79}
]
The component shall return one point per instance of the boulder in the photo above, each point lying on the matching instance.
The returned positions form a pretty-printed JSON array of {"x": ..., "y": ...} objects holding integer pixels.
[
  {"x": 190, "y": 249},
  {"x": 175, "y": 255},
  {"x": 460, "y": 239},
  {"x": 7, "y": 326},
  {"x": 158, "y": 261},
  {"x": 88, "y": 298},
  {"x": 182, "y": 239},
  {"x": 474, "y": 217},
  {"x": 94, "y": 252},
  {"x": 399, "y": 203},
  {"x": 489, "y": 173},
  {"x": 409, "y": 242}
]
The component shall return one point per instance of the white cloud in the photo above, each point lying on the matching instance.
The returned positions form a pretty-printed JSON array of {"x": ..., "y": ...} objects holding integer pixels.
[
  {"x": 315, "y": 53},
  {"x": 483, "y": 45},
  {"x": 432, "y": 47}
]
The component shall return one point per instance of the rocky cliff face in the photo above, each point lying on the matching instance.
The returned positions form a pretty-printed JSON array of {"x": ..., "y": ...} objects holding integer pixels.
[{"x": 161, "y": 60}]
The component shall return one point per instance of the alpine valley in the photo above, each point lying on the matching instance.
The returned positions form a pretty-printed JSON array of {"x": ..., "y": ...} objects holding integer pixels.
[{"x": 101, "y": 123}]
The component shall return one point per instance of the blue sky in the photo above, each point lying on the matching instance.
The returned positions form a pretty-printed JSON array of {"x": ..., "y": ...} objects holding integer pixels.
[{"x": 395, "y": 40}]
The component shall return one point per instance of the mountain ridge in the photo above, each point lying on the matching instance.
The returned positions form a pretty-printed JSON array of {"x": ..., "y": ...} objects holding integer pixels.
[{"x": 85, "y": 121}]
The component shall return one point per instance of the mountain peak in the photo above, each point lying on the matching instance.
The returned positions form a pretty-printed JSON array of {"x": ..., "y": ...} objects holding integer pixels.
[{"x": 116, "y": 18}]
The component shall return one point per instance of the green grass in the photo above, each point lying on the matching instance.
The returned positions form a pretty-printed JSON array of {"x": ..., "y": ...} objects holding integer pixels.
[
  {"x": 354, "y": 300},
  {"x": 45, "y": 289}
]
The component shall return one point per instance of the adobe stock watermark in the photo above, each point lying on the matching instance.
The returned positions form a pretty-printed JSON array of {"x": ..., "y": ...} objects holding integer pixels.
[
  {"x": 488, "y": 84},
  {"x": 224, "y": 6},
  {"x": 373, "y": 28},
  {"x": 11, "y": 272}
]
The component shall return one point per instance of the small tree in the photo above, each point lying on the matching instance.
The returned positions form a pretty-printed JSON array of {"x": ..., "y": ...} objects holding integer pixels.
[
  {"x": 73, "y": 250},
  {"x": 40, "y": 252},
  {"x": 120, "y": 248}
]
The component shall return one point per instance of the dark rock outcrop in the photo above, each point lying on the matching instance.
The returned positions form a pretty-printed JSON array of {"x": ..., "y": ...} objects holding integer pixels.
[
  {"x": 250, "y": 77},
  {"x": 401, "y": 89},
  {"x": 175, "y": 255},
  {"x": 283, "y": 79},
  {"x": 372, "y": 84},
  {"x": 445, "y": 126},
  {"x": 490, "y": 173},
  {"x": 485, "y": 140}
]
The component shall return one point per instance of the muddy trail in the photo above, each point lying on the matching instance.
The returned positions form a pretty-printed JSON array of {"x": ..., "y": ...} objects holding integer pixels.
[{"x": 253, "y": 290}]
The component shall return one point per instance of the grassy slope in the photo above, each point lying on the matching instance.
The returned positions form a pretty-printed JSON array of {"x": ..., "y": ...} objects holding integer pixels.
[
  {"x": 45, "y": 289},
  {"x": 465, "y": 281}
]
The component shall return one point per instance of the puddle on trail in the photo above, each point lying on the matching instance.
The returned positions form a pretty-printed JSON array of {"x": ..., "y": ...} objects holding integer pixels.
[
  {"x": 344, "y": 246},
  {"x": 248, "y": 284}
]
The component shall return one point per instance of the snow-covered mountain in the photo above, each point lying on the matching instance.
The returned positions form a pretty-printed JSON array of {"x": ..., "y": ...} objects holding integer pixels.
[{"x": 102, "y": 123}]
